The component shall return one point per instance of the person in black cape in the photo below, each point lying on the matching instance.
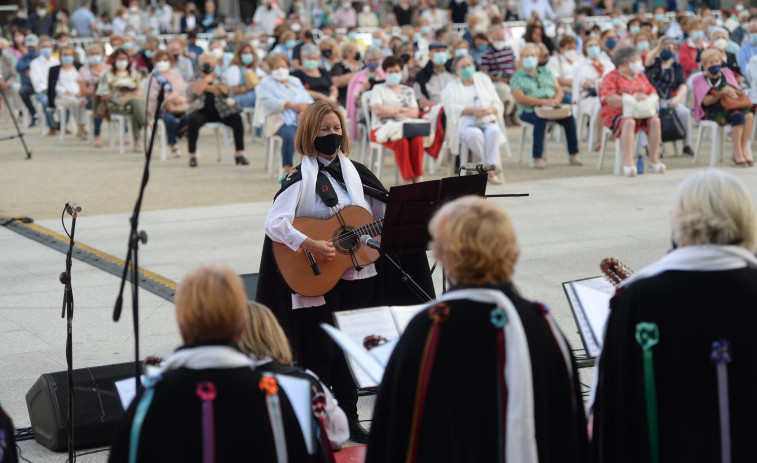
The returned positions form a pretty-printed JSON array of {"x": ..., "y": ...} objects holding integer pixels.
[
  {"x": 211, "y": 313},
  {"x": 673, "y": 326},
  {"x": 7, "y": 439},
  {"x": 325, "y": 161},
  {"x": 445, "y": 394}
]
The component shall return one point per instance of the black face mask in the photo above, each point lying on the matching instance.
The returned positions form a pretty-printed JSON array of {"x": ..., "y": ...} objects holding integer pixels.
[
  {"x": 405, "y": 57},
  {"x": 328, "y": 144},
  {"x": 326, "y": 53},
  {"x": 206, "y": 68}
]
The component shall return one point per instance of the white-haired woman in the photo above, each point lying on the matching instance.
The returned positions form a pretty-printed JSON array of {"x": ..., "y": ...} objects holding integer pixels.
[
  {"x": 473, "y": 107},
  {"x": 534, "y": 86},
  {"x": 316, "y": 80},
  {"x": 677, "y": 356},
  {"x": 586, "y": 79}
]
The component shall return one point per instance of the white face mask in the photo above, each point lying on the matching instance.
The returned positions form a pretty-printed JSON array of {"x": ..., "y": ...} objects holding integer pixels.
[
  {"x": 280, "y": 74},
  {"x": 122, "y": 64},
  {"x": 571, "y": 54},
  {"x": 720, "y": 44},
  {"x": 499, "y": 45},
  {"x": 636, "y": 67},
  {"x": 162, "y": 66},
  {"x": 218, "y": 53}
]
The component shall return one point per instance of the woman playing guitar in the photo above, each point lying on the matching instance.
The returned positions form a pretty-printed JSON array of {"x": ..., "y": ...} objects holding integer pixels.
[{"x": 325, "y": 183}]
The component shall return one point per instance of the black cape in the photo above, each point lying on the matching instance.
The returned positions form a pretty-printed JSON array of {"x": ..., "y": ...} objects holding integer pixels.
[
  {"x": 691, "y": 309},
  {"x": 7, "y": 439},
  {"x": 273, "y": 292},
  {"x": 172, "y": 429},
  {"x": 460, "y": 415}
]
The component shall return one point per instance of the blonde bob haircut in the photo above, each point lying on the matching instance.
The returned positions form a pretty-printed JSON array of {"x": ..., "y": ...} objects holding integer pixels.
[
  {"x": 211, "y": 304},
  {"x": 263, "y": 336},
  {"x": 475, "y": 242},
  {"x": 310, "y": 124},
  {"x": 529, "y": 47},
  {"x": 714, "y": 208},
  {"x": 709, "y": 54}
]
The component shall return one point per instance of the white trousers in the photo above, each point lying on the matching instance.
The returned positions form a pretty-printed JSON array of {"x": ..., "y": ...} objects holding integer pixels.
[
  {"x": 483, "y": 143},
  {"x": 73, "y": 104}
]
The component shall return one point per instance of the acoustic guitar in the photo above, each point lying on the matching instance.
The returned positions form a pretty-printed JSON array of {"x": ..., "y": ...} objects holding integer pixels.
[
  {"x": 308, "y": 277},
  {"x": 614, "y": 270}
]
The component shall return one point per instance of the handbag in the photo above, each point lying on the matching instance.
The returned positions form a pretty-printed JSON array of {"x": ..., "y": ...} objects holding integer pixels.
[
  {"x": 742, "y": 101},
  {"x": 226, "y": 106},
  {"x": 100, "y": 108},
  {"x": 671, "y": 126},
  {"x": 636, "y": 109},
  {"x": 247, "y": 99},
  {"x": 553, "y": 113},
  {"x": 177, "y": 109},
  {"x": 122, "y": 109},
  {"x": 416, "y": 128}
]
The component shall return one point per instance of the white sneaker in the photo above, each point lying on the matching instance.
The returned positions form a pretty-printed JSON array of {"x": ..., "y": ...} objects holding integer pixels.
[
  {"x": 629, "y": 171},
  {"x": 657, "y": 168}
]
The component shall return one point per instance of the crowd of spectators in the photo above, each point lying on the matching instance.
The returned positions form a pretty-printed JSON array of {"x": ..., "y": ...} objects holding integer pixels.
[{"x": 342, "y": 51}]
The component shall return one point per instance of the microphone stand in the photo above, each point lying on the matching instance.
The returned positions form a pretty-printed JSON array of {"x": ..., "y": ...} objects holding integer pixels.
[
  {"x": 15, "y": 123},
  {"x": 68, "y": 312},
  {"x": 135, "y": 237}
]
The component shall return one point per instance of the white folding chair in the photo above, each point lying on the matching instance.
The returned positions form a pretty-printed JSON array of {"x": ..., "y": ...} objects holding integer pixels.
[
  {"x": 41, "y": 116},
  {"x": 119, "y": 119},
  {"x": 717, "y": 137},
  {"x": 373, "y": 147},
  {"x": 161, "y": 128},
  {"x": 256, "y": 122},
  {"x": 221, "y": 132},
  {"x": 606, "y": 134}
]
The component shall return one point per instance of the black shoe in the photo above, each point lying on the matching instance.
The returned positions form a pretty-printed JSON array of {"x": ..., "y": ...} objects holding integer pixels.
[
  {"x": 358, "y": 433},
  {"x": 241, "y": 160},
  {"x": 687, "y": 151},
  {"x": 35, "y": 120},
  {"x": 192, "y": 162}
]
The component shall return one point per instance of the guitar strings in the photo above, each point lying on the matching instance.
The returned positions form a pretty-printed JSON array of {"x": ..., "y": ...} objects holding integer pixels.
[{"x": 356, "y": 231}]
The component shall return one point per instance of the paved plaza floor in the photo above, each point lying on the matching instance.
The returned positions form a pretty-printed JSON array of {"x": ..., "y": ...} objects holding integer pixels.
[{"x": 574, "y": 217}]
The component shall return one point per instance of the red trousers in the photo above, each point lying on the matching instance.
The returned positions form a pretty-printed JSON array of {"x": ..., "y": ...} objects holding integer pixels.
[{"x": 408, "y": 153}]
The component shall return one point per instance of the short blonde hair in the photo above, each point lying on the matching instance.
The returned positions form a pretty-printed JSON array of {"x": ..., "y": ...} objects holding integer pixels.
[
  {"x": 263, "y": 336},
  {"x": 211, "y": 304},
  {"x": 278, "y": 57},
  {"x": 714, "y": 207},
  {"x": 310, "y": 123},
  {"x": 709, "y": 54},
  {"x": 475, "y": 242},
  {"x": 527, "y": 47}
]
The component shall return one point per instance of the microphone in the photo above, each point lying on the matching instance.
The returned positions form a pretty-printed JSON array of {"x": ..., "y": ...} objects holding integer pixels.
[
  {"x": 366, "y": 240},
  {"x": 480, "y": 168},
  {"x": 162, "y": 81},
  {"x": 72, "y": 208}
]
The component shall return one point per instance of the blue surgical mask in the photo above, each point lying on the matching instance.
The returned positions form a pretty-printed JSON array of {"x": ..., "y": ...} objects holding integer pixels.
[
  {"x": 128, "y": 45},
  {"x": 666, "y": 54},
  {"x": 711, "y": 29},
  {"x": 247, "y": 59},
  {"x": 461, "y": 52},
  {"x": 95, "y": 59},
  {"x": 418, "y": 36},
  {"x": 404, "y": 38},
  {"x": 290, "y": 43},
  {"x": 697, "y": 35},
  {"x": 642, "y": 45},
  {"x": 440, "y": 58},
  {"x": 593, "y": 51},
  {"x": 616, "y": 22},
  {"x": 377, "y": 43},
  {"x": 372, "y": 66},
  {"x": 58, "y": 16},
  {"x": 393, "y": 79},
  {"x": 425, "y": 30},
  {"x": 150, "y": 54},
  {"x": 530, "y": 62},
  {"x": 659, "y": 17},
  {"x": 634, "y": 30},
  {"x": 467, "y": 72},
  {"x": 352, "y": 35},
  {"x": 67, "y": 60},
  {"x": 611, "y": 43},
  {"x": 311, "y": 64},
  {"x": 46, "y": 52},
  {"x": 753, "y": 39},
  {"x": 482, "y": 47}
]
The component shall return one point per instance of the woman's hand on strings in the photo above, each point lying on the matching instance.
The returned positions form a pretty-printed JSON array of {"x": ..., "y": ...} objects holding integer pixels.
[{"x": 322, "y": 250}]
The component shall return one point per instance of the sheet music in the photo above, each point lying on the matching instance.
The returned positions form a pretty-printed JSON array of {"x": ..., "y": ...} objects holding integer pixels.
[
  {"x": 127, "y": 390},
  {"x": 403, "y": 314},
  {"x": 299, "y": 393},
  {"x": 357, "y": 324},
  {"x": 590, "y": 302},
  {"x": 365, "y": 367}
]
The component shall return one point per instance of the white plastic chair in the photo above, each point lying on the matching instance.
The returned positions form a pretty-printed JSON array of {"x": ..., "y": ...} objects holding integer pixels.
[
  {"x": 592, "y": 126},
  {"x": 220, "y": 129},
  {"x": 378, "y": 161},
  {"x": 269, "y": 143},
  {"x": 119, "y": 119},
  {"x": 717, "y": 137},
  {"x": 41, "y": 117},
  {"x": 606, "y": 134}
]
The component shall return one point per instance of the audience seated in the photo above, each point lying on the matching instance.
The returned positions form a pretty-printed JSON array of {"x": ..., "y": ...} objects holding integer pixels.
[
  {"x": 209, "y": 399},
  {"x": 749, "y": 48},
  {"x": 174, "y": 111},
  {"x": 317, "y": 81},
  {"x": 628, "y": 79},
  {"x": 243, "y": 75},
  {"x": 181, "y": 63},
  {"x": 534, "y": 86},
  {"x": 363, "y": 81},
  {"x": 264, "y": 341},
  {"x": 120, "y": 85},
  {"x": 209, "y": 102},
  {"x": 498, "y": 61},
  {"x": 563, "y": 66},
  {"x": 345, "y": 67},
  {"x": 9, "y": 76},
  {"x": 691, "y": 49},
  {"x": 391, "y": 102},
  {"x": 664, "y": 387},
  {"x": 474, "y": 114},
  {"x": 709, "y": 87},
  {"x": 39, "y": 73},
  {"x": 68, "y": 91},
  {"x": 586, "y": 78},
  {"x": 283, "y": 98},
  {"x": 89, "y": 75}
]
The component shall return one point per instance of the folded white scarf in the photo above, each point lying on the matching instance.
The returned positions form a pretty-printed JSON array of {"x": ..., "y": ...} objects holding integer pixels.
[{"x": 205, "y": 357}]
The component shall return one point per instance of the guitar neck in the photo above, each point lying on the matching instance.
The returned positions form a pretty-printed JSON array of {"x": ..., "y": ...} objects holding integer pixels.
[{"x": 372, "y": 229}]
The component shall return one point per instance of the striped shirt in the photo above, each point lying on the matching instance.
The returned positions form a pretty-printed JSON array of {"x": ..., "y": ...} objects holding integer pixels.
[{"x": 498, "y": 63}]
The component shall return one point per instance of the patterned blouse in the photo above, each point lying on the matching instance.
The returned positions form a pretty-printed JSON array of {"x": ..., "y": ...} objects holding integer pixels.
[
  {"x": 542, "y": 86},
  {"x": 111, "y": 82},
  {"x": 383, "y": 95},
  {"x": 614, "y": 83}
]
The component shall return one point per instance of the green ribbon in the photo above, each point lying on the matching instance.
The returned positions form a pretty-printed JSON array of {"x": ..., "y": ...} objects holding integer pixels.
[
  {"x": 648, "y": 335},
  {"x": 139, "y": 415}
]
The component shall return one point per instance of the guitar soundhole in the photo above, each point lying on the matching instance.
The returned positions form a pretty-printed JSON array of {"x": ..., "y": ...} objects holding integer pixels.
[{"x": 346, "y": 241}]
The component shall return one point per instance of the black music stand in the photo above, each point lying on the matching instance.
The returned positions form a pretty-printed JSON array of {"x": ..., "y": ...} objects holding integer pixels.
[{"x": 410, "y": 208}]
